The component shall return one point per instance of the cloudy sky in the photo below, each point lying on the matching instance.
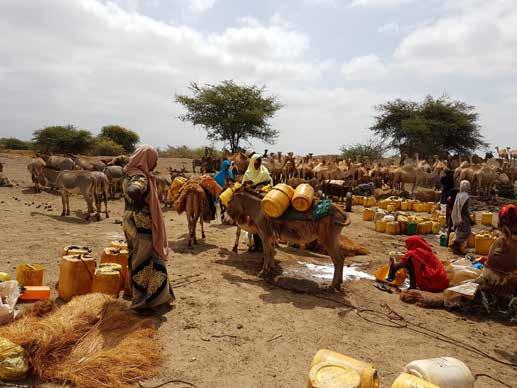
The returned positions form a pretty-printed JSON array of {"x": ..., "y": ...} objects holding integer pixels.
[{"x": 92, "y": 63}]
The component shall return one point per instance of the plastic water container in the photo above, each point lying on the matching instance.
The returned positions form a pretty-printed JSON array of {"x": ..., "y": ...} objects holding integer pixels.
[
  {"x": 76, "y": 250},
  {"x": 107, "y": 279},
  {"x": 445, "y": 372},
  {"x": 227, "y": 195},
  {"x": 436, "y": 227},
  {"x": 368, "y": 215},
  {"x": 303, "y": 197},
  {"x": 276, "y": 202},
  {"x": 34, "y": 293},
  {"x": 119, "y": 244},
  {"x": 404, "y": 206},
  {"x": 382, "y": 273},
  {"x": 457, "y": 274},
  {"x": 486, "y": 218},
  {"x": 333, "y": 374},
  {"x": 392, "y": 228},
  {"x": 380, "y": 226},
  {"x": 118, "y": 256},
  {"x": 471, "y": 241},
  {"x": 30, "y": 274},
  {"x": 367, "y": 373},
  {"x": 483, "y": 243},
  {"x": 370, "y": 201},
  {"x": 75, "y": 276},
  {"x": 390, "y": 208},
  {"x": 406, "y": 380},
  {"x": 412, "y": 228}
]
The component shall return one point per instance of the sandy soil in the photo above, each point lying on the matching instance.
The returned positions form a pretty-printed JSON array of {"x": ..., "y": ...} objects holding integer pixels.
[{"x": 230, "y": 329}]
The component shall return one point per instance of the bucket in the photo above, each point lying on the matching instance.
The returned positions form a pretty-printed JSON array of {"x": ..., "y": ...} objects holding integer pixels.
[
  {"x": 406, "y": 380},
  {"x": 303, "y": 197},
  {"x": 107, "y": 279},
  {"x": 75, "y": 276},
  {"x": 392, "y": 227},
  {"x": 276, "y": 202},
  {"x": 367, "y": 373},
  {"x": 412, "y": 228},
  {"x": 333, "y": 374},
  {"x": 482, "y": 244},
  {"x": 119, "y": 244},
  {"x": 76, "y": 250},
  {"x": 486, "y": 218},
  {"x": 113, "y": 255},
  {"x": 368, "y": 215},
  {"x": 30, "y": 274},
  {"x": 445, "y": 372},
  {"x": 382, "y": 273},
  {"x": 380, "y": 226}
]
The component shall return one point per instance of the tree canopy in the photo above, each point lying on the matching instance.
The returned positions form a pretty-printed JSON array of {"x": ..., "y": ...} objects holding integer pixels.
[
  {"x": 231, "y": 113},
  {"x": 120, "y": 135},
  {"x": 372, "y": 150},
  {"x": 64, "y": 139},
  {"x": 433, "y": 127}
]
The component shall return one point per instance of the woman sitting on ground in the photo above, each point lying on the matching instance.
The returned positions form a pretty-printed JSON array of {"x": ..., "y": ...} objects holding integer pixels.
[
  {"x": 257, "y": 174},
  {"x": 425, "y": 269},
  {"x": 501, "y": 263}
]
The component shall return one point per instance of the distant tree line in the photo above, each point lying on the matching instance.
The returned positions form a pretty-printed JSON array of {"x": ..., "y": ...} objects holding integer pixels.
[
  {"x": 187, "y": 152},
  {"x": 112, "y": 140}
]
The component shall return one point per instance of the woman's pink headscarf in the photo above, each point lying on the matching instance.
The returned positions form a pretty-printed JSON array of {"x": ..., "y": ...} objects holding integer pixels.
[{"x": 142, "y": 162}]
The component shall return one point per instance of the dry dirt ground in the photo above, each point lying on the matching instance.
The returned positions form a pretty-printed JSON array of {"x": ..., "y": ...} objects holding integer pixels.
[{"x": 230, "y": 329}]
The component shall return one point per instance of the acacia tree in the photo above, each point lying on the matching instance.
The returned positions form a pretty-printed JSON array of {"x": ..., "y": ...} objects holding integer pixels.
[
  {"x": 433, "y": 127},
  {"x": 231, "y": 113},
  {"x": 120, "y": 135},
  {"x": 64, "y": 139}
]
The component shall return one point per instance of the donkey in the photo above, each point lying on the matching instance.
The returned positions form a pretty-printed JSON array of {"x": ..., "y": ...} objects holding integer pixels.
[
  {"x": 115, "y": 176},
  {"x": 102, "y": 188},
  {"x": 36, "y": 168},
  {"x": 75, "y": 182},
  {"x": 245, "y": 209}
]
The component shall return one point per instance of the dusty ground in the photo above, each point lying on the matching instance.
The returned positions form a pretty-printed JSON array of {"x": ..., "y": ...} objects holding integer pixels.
[{"x": 230, "y": 329}]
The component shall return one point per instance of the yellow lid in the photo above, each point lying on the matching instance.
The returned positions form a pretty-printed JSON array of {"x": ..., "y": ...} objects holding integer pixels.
[
  {"x": 333, "y": 375},
  {"x": 4, "y": 277}
]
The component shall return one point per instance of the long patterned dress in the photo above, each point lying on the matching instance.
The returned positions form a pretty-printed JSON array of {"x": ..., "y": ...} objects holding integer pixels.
[{"x": 147, "y": 271}]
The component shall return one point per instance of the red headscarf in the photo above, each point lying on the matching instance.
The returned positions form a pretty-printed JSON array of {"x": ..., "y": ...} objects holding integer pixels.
[
  {"x": 430, "y": 273},
  {"x": 508, "y": 217},
  {"x": 142, "y": 162}
]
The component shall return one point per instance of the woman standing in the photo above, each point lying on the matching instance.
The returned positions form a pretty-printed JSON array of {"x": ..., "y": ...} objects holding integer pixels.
[
  {"x": 461, "y": 218},
  {"x": 145, "y": 232}
]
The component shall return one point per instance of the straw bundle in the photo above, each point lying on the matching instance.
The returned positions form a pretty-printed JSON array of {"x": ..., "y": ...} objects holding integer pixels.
[{"x": 93, "y": 341}]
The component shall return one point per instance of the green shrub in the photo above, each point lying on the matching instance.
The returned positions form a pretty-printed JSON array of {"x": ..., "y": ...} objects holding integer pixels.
[
  {"x": 106, "y": 147},
  {"x": 62, "y": 139},
  {"x": 120, "y": 135},
  {"x": 12, "y": 143}
]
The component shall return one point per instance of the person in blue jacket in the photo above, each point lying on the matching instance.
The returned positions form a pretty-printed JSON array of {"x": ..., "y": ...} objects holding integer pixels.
[{"x": 222, "y": 178}]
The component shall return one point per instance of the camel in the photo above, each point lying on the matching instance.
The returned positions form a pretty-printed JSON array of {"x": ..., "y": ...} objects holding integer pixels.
[
  {"x": 75, "y": 182},
  {"x": 194, "y": 202},
  {"x": 36, "y": 167},
  {"x": 240, "y": 160},
  {"x": 245, "y": 209},
  {"x": 503, "y": 152},
  {"x": 410, "y": 174}
]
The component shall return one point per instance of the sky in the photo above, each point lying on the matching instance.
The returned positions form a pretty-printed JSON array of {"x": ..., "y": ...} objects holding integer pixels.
[{"x": 92, "y": 63}]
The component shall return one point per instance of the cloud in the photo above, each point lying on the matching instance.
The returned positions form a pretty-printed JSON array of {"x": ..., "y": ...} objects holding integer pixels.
[
  {"x": 378, "y": 3},
  {"x": 389, "y": 27},
  {"x": 106, "y": 64},
  {"x": 363, "y": 68},
  {"x": 479, "y": 39},
  {"x": 201, "y": 5}
]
